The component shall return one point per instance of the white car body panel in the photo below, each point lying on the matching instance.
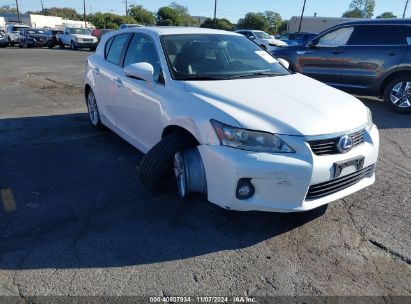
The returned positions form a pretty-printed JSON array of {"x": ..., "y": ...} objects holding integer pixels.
[{"x": 295, "y": 107}]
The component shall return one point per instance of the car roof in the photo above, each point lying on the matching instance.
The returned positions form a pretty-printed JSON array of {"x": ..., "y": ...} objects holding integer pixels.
[
  {"x": 175, "y": 30},
  {"x": 384, "y": 21}
]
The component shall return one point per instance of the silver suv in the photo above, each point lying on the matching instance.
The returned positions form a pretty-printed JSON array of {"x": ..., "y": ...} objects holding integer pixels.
[{"x": 12, "y": 33}]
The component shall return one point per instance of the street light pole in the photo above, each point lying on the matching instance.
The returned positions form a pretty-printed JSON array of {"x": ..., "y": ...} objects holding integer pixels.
[
  {"x": 215, "y": 11},
  {"x": 18, "y": 11},
  {"x": 42, "y": 7},
  {"x": 301, "y": 19},
  {"x": 405, "y": 9},
  {"x": 84, "y": 8}
]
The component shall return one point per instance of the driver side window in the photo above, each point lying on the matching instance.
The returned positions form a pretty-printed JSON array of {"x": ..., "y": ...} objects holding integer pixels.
[{"x": 336, "y": 38}]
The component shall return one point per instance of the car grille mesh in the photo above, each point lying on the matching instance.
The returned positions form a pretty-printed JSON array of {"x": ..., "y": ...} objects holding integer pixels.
[
  {"x": 338, "y": 184},
  {"x": 329, "y": 146}
]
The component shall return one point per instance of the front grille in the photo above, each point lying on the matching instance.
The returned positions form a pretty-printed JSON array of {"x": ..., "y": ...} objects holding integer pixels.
[
  {"x": 338, "y": 184},
  {"x": 329, "y": 146},
  {"x": 87, "y": 39}
]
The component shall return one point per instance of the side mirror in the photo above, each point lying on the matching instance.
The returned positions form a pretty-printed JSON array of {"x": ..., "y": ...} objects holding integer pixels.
[
  {"x": 141, "y": 70},
  {"x": 251, "y": 38},
  {"x": 284, "y": 63},
  {"x": 312, "y": 43}
]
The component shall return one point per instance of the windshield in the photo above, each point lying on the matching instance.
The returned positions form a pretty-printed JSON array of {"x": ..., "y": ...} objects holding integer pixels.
[
  {"x": 262, "y": 35},
  {"x": 79, "y": 31},
  {"x": 17, "y": 29},
  {"x": 35, "y": 31},
  {"x": 216, "y": 56}
]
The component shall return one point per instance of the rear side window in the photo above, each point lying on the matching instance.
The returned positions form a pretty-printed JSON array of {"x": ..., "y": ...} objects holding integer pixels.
[
  {"x": 378, "y": 35},
  {"x": 108, "y": 45},
  {"x": 117, "y": 48}
]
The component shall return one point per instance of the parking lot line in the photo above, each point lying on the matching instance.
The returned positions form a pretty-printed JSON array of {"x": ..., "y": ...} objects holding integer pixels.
[{"x": 9, "y": 204}]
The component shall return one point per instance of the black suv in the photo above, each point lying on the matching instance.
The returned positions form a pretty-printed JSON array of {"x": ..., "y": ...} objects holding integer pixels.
[{"x": 371, "y": 58}]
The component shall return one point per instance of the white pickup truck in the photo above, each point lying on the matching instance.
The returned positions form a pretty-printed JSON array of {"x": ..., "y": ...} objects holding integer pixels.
[{"x": 77, "y": 38}]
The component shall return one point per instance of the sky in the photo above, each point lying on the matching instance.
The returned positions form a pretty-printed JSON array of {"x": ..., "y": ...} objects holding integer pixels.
[{"x": 230, "y": 9}]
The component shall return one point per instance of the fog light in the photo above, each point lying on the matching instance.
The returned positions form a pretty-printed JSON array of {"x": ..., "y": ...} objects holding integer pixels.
[{"x": 245, "y": 189}]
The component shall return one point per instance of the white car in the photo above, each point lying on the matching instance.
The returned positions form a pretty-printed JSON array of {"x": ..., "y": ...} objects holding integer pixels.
[
  {"x": 76, "y": 38},
  {"x": 264, "y": 40},
  {"x": 229, "y": 120}
]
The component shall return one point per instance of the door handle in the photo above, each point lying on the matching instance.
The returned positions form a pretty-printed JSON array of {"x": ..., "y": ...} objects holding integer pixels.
[
  {"x": 392, "y": 53},
  {"x": 336, "y": 52},
  {"x": 97, "y": 71},
  {"x": 118, "y": 83}
]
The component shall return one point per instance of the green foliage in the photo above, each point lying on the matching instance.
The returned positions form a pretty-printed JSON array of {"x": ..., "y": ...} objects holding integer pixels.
[
  {"x": 221, "y": 24},
  {"x": 274, "y": 19},
  {"x": 283, "y": 27},
  {"x": 65, "y": 13},
  {"x": 174, "y": 14},
  {"x": 254, "y": 21},
  {"x": 387, "y": 15},
  {"x": 360, "y": 9},
  {"x": 108, "y": 20},
  {"x": 8, "y": 9},
  {"x": 141, "y": 15}
]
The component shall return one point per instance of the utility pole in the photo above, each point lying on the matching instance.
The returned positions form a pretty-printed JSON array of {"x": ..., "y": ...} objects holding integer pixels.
[
  {"x": 302, "y": 15},
  {"x": 84, "y": 7},
  {"x": 18, "y": 11},
  {"x": 215, "y": 11},
  {"x": 42, "y": 7},
  {"x": 126, "y": 7},
  {"x": 405, "y": 9}
]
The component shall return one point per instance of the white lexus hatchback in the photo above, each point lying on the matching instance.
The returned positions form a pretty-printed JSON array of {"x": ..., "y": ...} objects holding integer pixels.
[{"x": 226, "y": 119}]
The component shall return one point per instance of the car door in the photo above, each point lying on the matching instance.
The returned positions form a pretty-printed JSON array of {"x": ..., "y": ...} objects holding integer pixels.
[
  {"x": 106, "y": 76},
  {"x": 323, "y": 59},
  {"x": 139, "y": 102},
  {"x": 371, "y": 50}
]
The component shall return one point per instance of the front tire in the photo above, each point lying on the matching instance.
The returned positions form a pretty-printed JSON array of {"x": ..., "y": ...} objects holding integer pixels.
[
  {"x": 92, "y": 109},
  {"x": 61, "y": 45},
  {"x": 397, "y": 94},
  {"x": 73, "y": 46},
  {"x": 156, "y": 167}
]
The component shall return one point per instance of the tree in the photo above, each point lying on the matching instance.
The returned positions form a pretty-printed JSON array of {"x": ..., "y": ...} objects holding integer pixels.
[
  {"x": 355, "y": 13},
  {"x": 275, "y": 20},
  {"x": 141, "y": 15},
  {"x": 360, "y": 9},
  {"x": 182, "y": 11},
  {"x": 283, "y": 27},
  {"x": 387, "y": 15},
  {"x": 168, "y": 16},
  {"x": 221, "y": 24},
  {"x": 254, "y": 21},
  {"x": 109, "y": 20},
  {"x": 7, "y": 9},
  {"x": 65, "y": 13}
]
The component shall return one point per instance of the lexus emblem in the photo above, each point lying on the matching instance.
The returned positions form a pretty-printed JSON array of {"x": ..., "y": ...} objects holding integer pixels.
[{"x": 344, "y": 144}]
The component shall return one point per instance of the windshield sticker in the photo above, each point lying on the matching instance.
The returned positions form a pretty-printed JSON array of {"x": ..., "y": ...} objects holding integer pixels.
[{"x": 267, "y": 57}]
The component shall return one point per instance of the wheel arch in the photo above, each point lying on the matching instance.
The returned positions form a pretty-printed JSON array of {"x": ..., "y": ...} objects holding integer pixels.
[
  {"x": 177, "y": 128},
  {"x": 390, "y": 77}
]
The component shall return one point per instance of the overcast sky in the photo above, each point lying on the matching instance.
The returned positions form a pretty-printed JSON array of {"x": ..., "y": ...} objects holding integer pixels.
[{"x": 230, "y": 9}]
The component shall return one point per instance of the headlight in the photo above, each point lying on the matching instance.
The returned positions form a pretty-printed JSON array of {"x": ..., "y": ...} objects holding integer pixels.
[
  {"x": 249, "y": 140},
  {"x": 369, "y": 119}
]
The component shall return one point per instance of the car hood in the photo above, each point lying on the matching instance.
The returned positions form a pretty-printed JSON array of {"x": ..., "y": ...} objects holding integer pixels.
[
  {"x": 291, "y": 105},
  {"x": 83, "y": 36}
]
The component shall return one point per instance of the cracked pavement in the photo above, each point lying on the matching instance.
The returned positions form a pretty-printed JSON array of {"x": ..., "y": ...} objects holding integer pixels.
[{"x": 84, "y": 224}]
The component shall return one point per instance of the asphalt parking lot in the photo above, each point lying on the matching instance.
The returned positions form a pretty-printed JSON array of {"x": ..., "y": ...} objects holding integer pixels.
[{"x": 76, "y": 220}]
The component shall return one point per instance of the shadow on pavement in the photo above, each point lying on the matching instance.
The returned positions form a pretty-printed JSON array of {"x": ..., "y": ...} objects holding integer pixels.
[
  {"x": 384, "y": 118},
  {"x": 79, "y": 203}
]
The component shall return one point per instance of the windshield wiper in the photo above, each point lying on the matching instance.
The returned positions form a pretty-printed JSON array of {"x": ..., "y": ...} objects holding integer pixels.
[
  {"x": 200, "y": 77},
  {"x": 255, "y": 74}
]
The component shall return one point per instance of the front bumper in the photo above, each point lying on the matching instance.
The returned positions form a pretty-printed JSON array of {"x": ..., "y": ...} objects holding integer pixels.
[
  {"x": 85, "y": 45},
  {"x": 281, "y": 181}
]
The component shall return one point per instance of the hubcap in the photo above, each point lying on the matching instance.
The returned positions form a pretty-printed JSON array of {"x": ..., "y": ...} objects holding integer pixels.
[
  {"x": 180, "y": 173},
  {"x": 92, "y": 108},
  {"x": 400, "y": 94}
]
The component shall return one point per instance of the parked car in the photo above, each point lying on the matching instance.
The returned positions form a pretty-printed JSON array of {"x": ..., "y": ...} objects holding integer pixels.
[
  {"x": 3, "y": 42},
  {"x": 300, "y": 38},
  {"x": 13, "y": 32},
  {"x": 371, "y": 58},
  {"x": 263, "y": 39},
  {"x": 129, "y": 25},
  {"x": 100, "y": 32},
  {"x": 52, "y": 37},
  {"x": 32, "y": 37},
  {"x": 77, "y": 38},
  {"x": 183, "y": 97}
]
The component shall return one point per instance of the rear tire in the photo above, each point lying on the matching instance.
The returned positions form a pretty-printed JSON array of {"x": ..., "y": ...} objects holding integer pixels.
[
  {"x": 156, "y": 167},
  {"x": 397, "y": 94},
  {"x": 61, "y": 44}
]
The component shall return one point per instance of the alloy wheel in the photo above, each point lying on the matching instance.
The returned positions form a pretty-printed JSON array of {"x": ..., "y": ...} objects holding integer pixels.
[
  {"x": 400, "y": 95},
  {"x": 92, "y": 108},
  {"x": 180, "y": 173}
]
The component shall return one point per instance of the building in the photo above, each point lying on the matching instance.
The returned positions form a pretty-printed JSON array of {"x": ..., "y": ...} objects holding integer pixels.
[
  {"x": 315, "y": 24},
  {"x": 41, "y": 21}
]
